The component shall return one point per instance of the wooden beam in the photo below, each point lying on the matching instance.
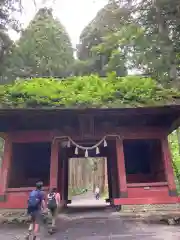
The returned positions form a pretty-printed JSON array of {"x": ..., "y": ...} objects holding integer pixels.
[
  {"x": 92, "y": 111},
  {"x": 31, "y": 136}
]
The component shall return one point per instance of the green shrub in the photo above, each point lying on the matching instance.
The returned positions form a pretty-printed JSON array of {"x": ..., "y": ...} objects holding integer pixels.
[{"x": 175, "y": 158}]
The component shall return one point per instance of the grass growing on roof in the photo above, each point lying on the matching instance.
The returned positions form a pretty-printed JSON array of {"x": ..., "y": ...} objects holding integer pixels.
[{"x": 86, "y": 91}]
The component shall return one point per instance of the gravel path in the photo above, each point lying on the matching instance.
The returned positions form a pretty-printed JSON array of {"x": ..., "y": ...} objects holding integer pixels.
[
  {"x": 101, "y": 229},
  {"x": 96, "y": 225}
]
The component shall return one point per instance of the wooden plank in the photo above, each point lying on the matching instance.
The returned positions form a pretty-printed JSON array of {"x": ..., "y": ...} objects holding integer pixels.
[{"x": 31, "y": 136}]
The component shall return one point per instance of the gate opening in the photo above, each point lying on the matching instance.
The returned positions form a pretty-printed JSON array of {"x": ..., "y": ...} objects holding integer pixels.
[
  {"x": 79, "y": 174},
  {"x": 85, "y": 175}
]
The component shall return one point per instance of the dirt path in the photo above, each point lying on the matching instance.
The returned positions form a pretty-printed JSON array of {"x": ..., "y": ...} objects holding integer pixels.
[
  {"x": 101, "y": 229},
  {"x": 83, "y": 197},
  {"x": 86, "y": 200},
  {"x": 102, "y": 225}
]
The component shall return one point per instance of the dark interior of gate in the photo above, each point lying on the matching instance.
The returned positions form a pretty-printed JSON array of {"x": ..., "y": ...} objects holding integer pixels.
[
  {"x": 143, "y": 161},
  {"x": 31, "y": 162}
]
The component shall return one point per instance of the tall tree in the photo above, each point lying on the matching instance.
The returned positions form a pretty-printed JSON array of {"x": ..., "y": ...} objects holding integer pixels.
[
  {"x": 149, "y": 39},
  {"x": 160, "y": 20},
  {"x": 7, "y": 20},
  {"x": 44, "y": 49},
  {"x": 107, "y": 21}
]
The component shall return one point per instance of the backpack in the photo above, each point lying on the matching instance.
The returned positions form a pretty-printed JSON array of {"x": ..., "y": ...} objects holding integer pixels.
[
  {"x": 52, "y": 204},
  {"x": 34, "y": 200}
]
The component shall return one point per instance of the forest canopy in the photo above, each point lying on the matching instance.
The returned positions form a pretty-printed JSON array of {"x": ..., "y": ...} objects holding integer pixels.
[
  {"x": 124, "y": 36},
  {"x": 44, "y": 49},
  {"x": 86, "y": 91}
]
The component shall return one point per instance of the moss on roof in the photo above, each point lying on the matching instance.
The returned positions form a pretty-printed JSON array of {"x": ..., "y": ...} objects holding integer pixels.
[{"x": 86, "y": 92}]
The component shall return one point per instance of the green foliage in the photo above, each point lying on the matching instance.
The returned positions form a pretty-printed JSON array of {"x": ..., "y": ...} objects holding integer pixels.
[
  {"x": 9, "y": 19},
  {"x": 137, "y": 50},
  {"x": 161, "y": 22},
  {"x": 105, "y": 194},
  {"x": 107, "y": 21},
  {"x": 75, "y": 192},
  {"x": 87, "y": 91},
  {"x": 148, "y": 38},
  {"x": 82, "y": 68},
  {"x": 8, "y": 10},
  {"x": 116, "y": 63},
  {"x": 175, "y": 157},
  {"x": 44, "y": 49},
  {"x": 5, "y": 44}
]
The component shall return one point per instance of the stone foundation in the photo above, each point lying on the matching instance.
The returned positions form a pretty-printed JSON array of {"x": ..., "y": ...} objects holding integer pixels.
[{"x": 150, "y": 208}]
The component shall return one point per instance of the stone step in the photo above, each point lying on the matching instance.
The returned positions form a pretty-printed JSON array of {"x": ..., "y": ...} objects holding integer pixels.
[{"x": 87, "y": 209}]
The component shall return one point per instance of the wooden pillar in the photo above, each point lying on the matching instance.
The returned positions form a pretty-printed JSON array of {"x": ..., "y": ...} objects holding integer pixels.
[
  {"x": 168, "y": 167},
  {"x": 54, "y": 164},
  {"x": 109, "y": 177},
  {"x": 6, "y": 167},
  {"x": 121, "y": 169},
  {"x": 105, "y": 174},
  {"x": 62, "y": 182}
]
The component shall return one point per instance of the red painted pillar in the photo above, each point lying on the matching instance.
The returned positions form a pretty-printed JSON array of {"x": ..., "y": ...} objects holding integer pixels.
[
  {"x": 62, "y": 183},
  {"x": 168, "y": 167},
  {"x": 54, "y": 164},
  {"x": 6, "y": 166},
  {"x": 63, "y": 202},
  {"x": 121, "y": 169}
]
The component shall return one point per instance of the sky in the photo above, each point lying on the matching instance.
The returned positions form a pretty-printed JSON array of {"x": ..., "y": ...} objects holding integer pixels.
[{"x": 73, "y": 14}]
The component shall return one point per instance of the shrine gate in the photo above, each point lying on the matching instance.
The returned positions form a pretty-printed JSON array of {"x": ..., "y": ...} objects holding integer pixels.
[{"x": 39, "y": 142}]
